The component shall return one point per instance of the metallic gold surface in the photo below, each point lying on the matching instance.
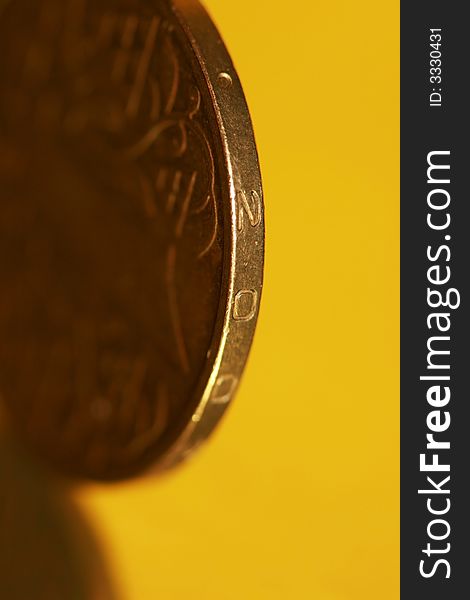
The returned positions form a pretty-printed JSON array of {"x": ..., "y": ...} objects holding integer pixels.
[{"x": 131, "y": 231}]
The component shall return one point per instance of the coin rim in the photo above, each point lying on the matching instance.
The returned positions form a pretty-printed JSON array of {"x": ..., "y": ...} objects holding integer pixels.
[{"x": 244, "y": 250}]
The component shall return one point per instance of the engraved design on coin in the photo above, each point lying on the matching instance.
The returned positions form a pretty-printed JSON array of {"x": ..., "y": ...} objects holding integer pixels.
[{"x": 111, "y": 223}]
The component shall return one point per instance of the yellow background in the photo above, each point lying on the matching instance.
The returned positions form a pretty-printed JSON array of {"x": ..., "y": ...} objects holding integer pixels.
[{"x": 296, "y": 496}]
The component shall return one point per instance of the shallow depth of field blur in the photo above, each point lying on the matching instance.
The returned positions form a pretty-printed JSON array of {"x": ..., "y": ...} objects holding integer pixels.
[{"x": 297, "y": 494}]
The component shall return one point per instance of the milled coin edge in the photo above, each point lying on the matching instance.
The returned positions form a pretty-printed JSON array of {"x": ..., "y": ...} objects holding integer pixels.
[{"x": 243, "y": 280}]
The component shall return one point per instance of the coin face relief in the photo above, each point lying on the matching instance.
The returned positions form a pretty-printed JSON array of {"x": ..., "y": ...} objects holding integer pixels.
[{"x": 131, "y": 230}]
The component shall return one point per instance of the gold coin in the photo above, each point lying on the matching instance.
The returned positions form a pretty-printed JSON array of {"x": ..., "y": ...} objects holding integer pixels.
[{"x": 131, "y": 231}]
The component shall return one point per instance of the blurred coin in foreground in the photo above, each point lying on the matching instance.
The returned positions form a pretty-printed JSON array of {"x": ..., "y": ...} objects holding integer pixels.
[{"x": 131, "y": 231}]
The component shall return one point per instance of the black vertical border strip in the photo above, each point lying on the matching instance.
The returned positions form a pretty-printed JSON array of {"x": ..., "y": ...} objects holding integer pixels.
[{"x": 425, "y": 129}]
